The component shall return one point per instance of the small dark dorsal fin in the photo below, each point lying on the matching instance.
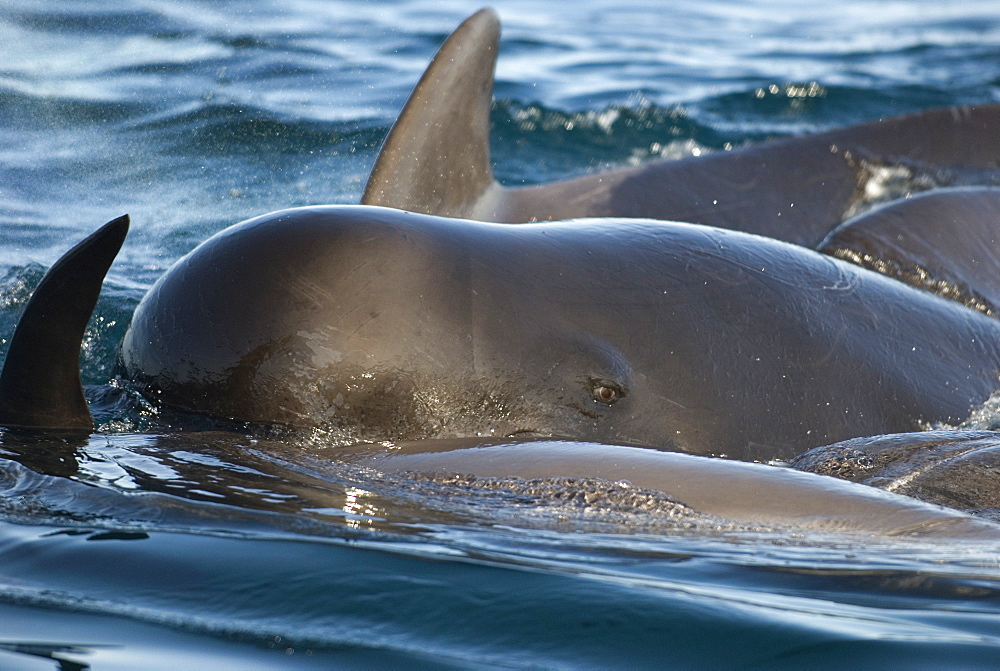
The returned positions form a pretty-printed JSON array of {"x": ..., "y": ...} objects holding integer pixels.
[
  {"x": 40, "y": 384},
  {"x": 436, "y": 159},
  {"x": 946, "y": 241}
]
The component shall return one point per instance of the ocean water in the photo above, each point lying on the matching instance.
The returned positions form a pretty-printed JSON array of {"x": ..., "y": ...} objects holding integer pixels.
[{"x": 149, "y": 548}]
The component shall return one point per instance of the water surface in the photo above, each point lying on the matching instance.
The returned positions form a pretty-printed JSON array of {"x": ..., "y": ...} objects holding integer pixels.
[{"x": 146, "y": 549}]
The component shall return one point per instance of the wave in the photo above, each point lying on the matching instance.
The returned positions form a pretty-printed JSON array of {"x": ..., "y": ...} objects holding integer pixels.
[{"x": 214, "y": 129}]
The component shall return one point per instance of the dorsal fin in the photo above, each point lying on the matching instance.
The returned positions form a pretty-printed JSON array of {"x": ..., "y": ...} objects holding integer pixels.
[
  {"x": 40, "y": 384},
  {"x": 436, "y": 159},
  {"x": 945, "y": 241}
]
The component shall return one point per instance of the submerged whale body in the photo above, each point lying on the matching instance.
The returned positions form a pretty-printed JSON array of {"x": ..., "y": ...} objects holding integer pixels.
[
  {"x": 379, "y": 324},
  {"x": 952, "y": 468}
]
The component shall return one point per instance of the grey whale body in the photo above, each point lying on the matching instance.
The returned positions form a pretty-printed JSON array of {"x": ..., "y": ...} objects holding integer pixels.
[{"x": 385, "y": 325}]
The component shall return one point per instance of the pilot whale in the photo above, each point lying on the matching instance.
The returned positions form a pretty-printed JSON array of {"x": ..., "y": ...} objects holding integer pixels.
[
  {"x": 436, "y": 160},
  {"x": 384, "y": 325},
  {"x": 40, "y": 389},
  {"x": 378, "y": 324}
]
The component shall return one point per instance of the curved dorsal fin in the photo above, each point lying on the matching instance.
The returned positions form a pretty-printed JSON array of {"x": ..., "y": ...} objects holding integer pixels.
[
  {"x": 436, "y": 159},
  {"x": 946, "y": 241},
  {"x": 40, "y": 384}
]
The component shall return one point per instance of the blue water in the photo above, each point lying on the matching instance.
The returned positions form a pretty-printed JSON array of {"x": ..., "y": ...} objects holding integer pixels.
[{"x": 150, "y": 549}]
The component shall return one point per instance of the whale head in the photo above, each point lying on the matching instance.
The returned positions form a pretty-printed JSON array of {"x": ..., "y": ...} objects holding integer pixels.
[{"x": 376, "y": 325}]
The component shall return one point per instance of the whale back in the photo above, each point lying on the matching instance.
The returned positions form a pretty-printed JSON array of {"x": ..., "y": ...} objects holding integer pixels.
[
  {"x": 436, "y": 161},
  {"x": 946, "y": 241}
]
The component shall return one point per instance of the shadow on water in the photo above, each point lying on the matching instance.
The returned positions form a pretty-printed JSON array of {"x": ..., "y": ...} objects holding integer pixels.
[{"x": 46, "y": 452}]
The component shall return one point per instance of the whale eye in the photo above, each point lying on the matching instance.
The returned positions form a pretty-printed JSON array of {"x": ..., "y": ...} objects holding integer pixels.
[{"x": 606, "y": 391}]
